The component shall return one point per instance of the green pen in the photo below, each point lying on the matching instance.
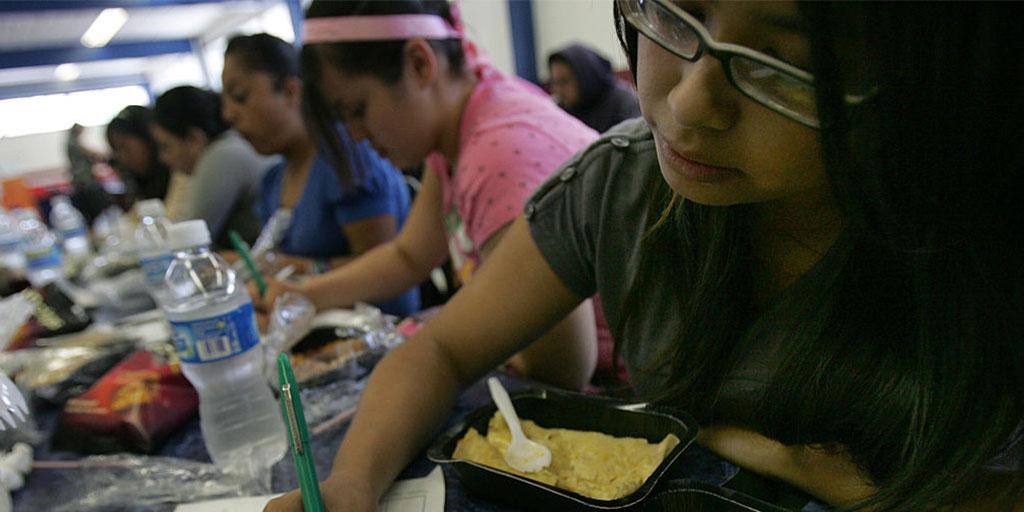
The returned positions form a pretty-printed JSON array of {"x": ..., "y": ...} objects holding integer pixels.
[
  {"x": 295, "y": 421},
  {"x": 243, "y": 251}
]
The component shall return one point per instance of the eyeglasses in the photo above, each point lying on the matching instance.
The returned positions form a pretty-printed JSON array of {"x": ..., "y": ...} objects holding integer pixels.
[{"x": 771, "y": 82}]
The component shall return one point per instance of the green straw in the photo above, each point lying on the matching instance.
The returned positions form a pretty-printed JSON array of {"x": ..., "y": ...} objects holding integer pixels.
[{"x": 243, "y": 251}]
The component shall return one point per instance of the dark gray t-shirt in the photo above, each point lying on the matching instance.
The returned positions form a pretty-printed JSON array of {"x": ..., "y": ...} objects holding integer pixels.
[
  {"x": 588, "y": 221},
  {"x": 225, "y": 184}
]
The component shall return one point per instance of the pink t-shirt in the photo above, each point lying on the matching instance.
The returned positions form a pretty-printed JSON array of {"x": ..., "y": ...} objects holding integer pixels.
[{"x": 512, "y": 137}]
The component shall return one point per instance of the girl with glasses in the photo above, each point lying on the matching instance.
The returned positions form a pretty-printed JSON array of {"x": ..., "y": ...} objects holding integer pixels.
[{"x": 811, "y": 243}]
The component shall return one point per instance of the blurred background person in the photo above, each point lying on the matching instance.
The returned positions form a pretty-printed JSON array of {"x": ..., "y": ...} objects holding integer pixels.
[
  {"x": 89, "y": 196},
  {"x": 338, "y": 211},
  {"x": 194, "y": 139},
  {"x": 134, "y": 155},
  {"x": 583, "y": 83}
]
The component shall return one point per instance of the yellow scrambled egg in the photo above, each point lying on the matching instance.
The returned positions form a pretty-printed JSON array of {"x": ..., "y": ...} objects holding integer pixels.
[{"x": 591, "y": 464}]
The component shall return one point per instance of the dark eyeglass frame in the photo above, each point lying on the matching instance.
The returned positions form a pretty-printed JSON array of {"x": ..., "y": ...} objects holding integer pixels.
[{"x": 632, "y": 13}]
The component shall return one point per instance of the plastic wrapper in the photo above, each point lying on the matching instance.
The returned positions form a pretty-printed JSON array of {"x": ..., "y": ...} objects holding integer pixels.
[
  {"x": 134, "y": 407},
  {"x": 96, "y": 336},
  {"x": 322, "y": 403},
  {"x": 107, "y": 265},
  {"x": 381, "y": 333},
  {"x": 96, "y": 483},
  {"x": 17, "y": 309},
  {"x": 128, "y": 292},
  {"x": 11, "y": 281},
  {"x": 343, "y": 345},
  {"x": 54, "y": 373},
  {"x": 262, "y": 252},
  {"x": 54, "y": 313},
  {"x": 290, "y": 320}
]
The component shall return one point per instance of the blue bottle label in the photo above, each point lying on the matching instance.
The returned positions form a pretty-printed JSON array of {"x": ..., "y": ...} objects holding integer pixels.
[
  {"x": 66, "y": 234},
  {"x": 10, "y": 245},
  {"x": 207, "y": 340},
  {"x": 155, "y": 268},
  {"x": 43, "y": 259}
]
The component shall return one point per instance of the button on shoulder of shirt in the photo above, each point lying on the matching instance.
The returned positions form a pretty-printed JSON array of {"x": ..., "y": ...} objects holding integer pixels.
[
  {"x": 620, "y": 142},
  {"x": 567, "y": 174},
  {"x": 530, "y": 209}
]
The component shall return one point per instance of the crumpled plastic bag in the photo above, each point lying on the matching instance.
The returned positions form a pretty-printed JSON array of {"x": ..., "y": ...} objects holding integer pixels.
[
  {"x": 119, "y": 480},
  {"x": 17, "y": 310}
]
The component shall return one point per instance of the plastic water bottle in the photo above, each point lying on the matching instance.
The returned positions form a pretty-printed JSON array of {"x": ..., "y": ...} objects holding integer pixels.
[
  {"x": 114, "y": 234},
  {"x": 69, "y": 224},
  {"x": 43, "y": 259},
  {"x": 268, "y": 240},
  {"x": 215, "y": 335},
  {"x": 11, "y": 238},
  {"x": 151, "y": 240}
]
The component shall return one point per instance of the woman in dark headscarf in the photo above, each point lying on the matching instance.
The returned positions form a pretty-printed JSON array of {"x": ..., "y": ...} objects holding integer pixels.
[{"x": 583, "y": 84}]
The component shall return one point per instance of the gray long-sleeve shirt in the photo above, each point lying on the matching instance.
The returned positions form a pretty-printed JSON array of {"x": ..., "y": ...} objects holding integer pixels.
[{"x": 225, "y": 183}]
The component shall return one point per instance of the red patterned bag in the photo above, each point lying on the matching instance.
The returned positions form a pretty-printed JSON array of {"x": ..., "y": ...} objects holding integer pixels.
[{"x": 134, "y": 407}]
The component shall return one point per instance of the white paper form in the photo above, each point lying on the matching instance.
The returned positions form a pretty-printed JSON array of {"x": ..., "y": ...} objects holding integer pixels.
[{"x": 415, "y": 495}]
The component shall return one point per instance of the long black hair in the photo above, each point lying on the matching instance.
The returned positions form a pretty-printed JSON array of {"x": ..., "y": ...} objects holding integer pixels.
[
  {"x": 185, "y": 107},
  {"x": 133, "y": 121},
  {"x": 904, "y": 352},
  {"x": 381, "y": 59},
  {"x": 265, "y": 53}
]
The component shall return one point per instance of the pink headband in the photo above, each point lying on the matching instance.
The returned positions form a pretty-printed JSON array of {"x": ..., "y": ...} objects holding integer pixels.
[{"x": 377, "y": 28}]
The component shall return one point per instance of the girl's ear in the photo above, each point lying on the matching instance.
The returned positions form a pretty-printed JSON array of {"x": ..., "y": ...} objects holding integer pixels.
[
  {"x": 420, "y": 63},
  {"x": 196, "y": 137},
  {"x": 292, "y": 91}
]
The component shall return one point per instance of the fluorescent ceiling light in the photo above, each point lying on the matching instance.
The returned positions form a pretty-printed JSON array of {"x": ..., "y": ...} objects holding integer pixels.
[
  {"x": 105, "y": 27},
  {"x": 67, "y": 72}
]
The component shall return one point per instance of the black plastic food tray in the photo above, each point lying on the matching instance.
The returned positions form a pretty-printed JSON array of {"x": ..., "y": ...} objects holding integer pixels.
[
  {"x": 558, "y": 409},
  {"x": 693, "y": 496}
]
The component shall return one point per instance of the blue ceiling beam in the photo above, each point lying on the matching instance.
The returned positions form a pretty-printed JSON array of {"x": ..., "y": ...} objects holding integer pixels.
[
  {"x": 86, "y": 84},
  {"x": 56, "y": 56},
  {"x": 295, "y": 10},
  {"x": 11, "y": 6},
  {"x": 520, "y": 17}
]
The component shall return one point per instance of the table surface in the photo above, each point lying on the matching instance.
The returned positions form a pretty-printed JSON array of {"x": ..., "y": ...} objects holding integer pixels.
[{"x": 42, "y": 485}]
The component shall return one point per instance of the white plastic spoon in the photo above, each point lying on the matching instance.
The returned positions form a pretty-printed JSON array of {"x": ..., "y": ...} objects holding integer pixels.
[{"x": 523, "y": 454}]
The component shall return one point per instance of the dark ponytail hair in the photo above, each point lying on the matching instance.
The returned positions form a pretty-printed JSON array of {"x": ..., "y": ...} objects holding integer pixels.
[
  {"x": 904, "y": 351},
  {"x": 182, "y": 108},
  {"x": 266, "y": 54},
  {"x": 381, "y": 59}
]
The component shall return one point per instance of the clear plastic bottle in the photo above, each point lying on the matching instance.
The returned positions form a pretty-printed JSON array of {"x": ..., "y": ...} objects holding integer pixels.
[
  {"x": 268, "y": 240},
  {"x": 151, "y": 240},
  {"x": 11, "y": 238},
  {"x": 70, "y": 226},
  {"x": 43, "y": 259},
  {"x": 215, "y": 335}
]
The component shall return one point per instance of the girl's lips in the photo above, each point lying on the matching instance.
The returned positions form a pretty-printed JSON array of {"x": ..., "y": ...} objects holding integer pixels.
[{"x": 692, "y": 170}]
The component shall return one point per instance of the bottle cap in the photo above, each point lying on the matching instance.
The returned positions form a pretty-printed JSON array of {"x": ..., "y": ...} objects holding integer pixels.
[
  {"x": 191, "y": 233},
  {"x": 150, "y": 208}
]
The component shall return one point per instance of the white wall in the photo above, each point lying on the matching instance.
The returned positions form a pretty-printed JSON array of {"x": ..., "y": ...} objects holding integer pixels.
[
  {"x": 43, "y": 151},
  {"x": 175, "y": 70},
  {"x": 487, "y": 24},
  {"x": 558, "y": 23}
]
